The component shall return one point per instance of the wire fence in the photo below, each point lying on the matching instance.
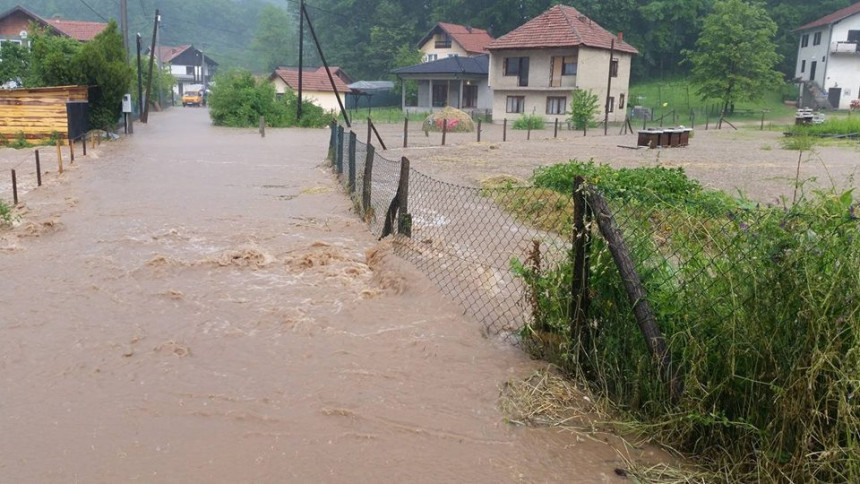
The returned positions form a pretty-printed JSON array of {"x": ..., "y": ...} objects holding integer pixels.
[{"x": 669, "y": 301}]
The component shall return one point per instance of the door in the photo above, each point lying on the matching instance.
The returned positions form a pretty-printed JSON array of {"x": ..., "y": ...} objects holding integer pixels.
[
  {"x": 812, "y": 70},
  {"x": 440, "y": 95},
  {"x": 834, "y": 95},
  {"x": 470, "y": 96}
]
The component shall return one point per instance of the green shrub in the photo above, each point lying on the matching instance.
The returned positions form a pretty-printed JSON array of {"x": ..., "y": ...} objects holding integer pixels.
[
  {"x": 529, "y": 121},
  {"x": 758, "y": 306},
  {"x": 838, "y": 126},
  {"x": 238, "y": 100},
  {"x": 5, "y": 214},
  {"x": 583, "y": 107}
]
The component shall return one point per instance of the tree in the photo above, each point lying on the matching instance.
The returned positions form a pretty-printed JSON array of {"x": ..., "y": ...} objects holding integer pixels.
[
  {"x": 15, "y": 62},
  {"x": 53, "y": 60},
  {"x": 583, "y": 107},
  {"x": 103, "y": 65},
  {"x": 275, "y": 42},
  {"x": 735, "y": 55}
]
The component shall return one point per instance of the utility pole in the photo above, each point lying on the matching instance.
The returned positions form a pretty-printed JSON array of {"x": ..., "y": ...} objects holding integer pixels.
[
  {"x": 140, "y": 100},
  {"x": 158, "y": 60},
  {"x": 123, "y": 15},
  {"x": 301, "y": 54},
  {"x": 608, "y": 89},
  {"x": 145, "y": 116}
]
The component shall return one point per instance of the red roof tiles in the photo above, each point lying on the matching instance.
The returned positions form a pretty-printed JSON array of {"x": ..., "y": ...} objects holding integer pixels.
[
  {"x": 833, "y": 17},
  {"x": 167, "y": 53},
  {"x": 560, "y": 26},
  {"x": 312, "y": 80},
  {"x": 77, "y": 29},
  {"x": 472, "y": 40}
]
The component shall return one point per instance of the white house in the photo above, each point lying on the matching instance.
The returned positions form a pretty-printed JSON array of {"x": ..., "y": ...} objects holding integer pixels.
[
  {"x": 828, "y": 59},
  {"x": 535, "y": 67},
  {"x": 455, "y": 81},
  {"x": 316, "y": 85},
  {"x": 189, "y": 66},
  {"x": 452, "y": 40}
]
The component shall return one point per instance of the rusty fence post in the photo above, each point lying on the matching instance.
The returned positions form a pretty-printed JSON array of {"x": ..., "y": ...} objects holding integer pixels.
[
  {"x": 444, "y": 130},
  {"x": 38, "y": 170},
  {"x": 479, "y": 130}
]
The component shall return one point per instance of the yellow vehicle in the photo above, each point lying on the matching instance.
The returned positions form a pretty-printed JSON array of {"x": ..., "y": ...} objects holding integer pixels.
[{"x": 193, "y": 98}]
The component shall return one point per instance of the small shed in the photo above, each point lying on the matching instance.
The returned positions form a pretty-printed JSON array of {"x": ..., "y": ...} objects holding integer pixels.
[{"x": 43, "y": 111}]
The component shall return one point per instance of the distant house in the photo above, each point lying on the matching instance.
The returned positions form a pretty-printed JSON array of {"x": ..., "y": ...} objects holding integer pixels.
[
  {"x": 534, "y": 68},
  {"x": 828, "y": 59},
  {"x": 15, "y": 24},
  {"x": 456, "y": 81},
  {"x": 451, "y": 40},
  {"x": 190, "y": 66},
  {"x": 316, "y": 85}
]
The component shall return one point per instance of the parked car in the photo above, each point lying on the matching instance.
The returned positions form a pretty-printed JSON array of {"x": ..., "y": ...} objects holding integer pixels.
[{"x": 194, "y": 98}]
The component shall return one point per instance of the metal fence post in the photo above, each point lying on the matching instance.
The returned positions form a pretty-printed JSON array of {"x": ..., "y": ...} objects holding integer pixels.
[
  {"x": 505, "y": 129},
  {"x": 555, "y": 130},
  {"x": 338, "y": 165},
  {"x": 351, "y": 165},
  {"x": 332, "y": 140},
  {"x": 479, "y": 130},
  {"x": 405, "y": 131},
  {"x": 38, "y": 170}
]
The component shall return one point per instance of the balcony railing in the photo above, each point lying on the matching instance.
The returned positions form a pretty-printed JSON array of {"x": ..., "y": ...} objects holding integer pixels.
[
  {"x": 843, "y": 47},
  {"x": 443, "y": 44}
]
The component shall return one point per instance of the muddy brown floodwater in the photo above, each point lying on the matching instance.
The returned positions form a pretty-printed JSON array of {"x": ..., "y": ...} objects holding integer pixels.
[{"x": 196, "y": 304}]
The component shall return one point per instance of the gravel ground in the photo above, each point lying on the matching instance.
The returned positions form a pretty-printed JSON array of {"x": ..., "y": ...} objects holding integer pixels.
[{"x": 747, "y": 160}]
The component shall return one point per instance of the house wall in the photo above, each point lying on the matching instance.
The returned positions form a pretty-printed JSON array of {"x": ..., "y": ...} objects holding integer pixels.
[
  {"x": 429, "y": 47},
  {"x": 837, "y": 66},
  {"x": 592, "y": 74},
  {"x": 326, "y": 100},
  {"x": 813, "y": 53},
  {"x": 12, "y": 25},
  {"x": 485, "y": 95}
]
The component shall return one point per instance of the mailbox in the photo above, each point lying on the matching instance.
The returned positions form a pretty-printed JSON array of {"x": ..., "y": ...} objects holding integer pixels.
[{"x": 126, "y": 103}]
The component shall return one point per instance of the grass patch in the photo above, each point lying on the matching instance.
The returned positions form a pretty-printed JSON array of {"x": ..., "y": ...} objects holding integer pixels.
[
  {"x": 5, "y": 214},
  {"x": 758, "y": 306},
  {"x": 529, "y": 121},
  {"x": 833, "y": 126}
]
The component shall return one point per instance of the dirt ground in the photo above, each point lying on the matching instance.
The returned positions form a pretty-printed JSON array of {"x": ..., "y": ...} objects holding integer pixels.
[{"x": 746, "y": 160}]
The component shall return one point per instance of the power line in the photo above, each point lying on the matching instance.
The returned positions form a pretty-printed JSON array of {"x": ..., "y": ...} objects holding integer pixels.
[{"x": 94, "y": 11}]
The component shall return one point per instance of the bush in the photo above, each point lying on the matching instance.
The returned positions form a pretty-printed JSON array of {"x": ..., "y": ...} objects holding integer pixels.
[
  {"x": 758, "y": 306},
  {"x": 529, "y": 121},
  {"x": 5, "y": 214},
  {"x": 238, "y": 100},
  {"x": 583, "y": 107}
]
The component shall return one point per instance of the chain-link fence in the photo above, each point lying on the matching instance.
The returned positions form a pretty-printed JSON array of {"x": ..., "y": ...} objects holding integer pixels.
[{"x": 732, "y": 327}]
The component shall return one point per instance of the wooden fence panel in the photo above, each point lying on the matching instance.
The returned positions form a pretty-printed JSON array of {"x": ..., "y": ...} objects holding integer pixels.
[{"x": 38, "y": 112}]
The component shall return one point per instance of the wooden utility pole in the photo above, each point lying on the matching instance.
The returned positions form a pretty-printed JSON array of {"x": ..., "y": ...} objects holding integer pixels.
[
  {"x": 123, "y": 15},
  {"x": 140, "y": 100},
  {"x": 301, "y": 55},
  {"x": 145, "y": 114},
  {"x": 325, "y": 64},
  {"x": 608, "y": 89}
]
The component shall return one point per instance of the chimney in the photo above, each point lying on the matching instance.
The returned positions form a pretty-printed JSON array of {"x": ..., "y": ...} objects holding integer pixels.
[{"x": 621, "y": 36}]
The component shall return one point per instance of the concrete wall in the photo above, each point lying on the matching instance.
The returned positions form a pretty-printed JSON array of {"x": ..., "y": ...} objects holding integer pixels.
[
  {"x": 592, "y": 74},
  {"x": 429, "y": 47},
  {"x": 835, "y": 67}
]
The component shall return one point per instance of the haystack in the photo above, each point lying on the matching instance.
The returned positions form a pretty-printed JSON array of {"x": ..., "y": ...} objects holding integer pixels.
[{"x": 458, "y": 121}]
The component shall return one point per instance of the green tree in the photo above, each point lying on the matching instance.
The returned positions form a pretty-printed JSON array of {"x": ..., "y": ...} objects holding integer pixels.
[
  {"x": 583, "y": 107},
  {"x": 275, "y": 41},
  {"x": 238, "y": 100},
  {"x": 407, "y": 55},
  {"x": 15, "y": 64},
  {"x": 163, "y": 80},
  {"x": 53, "y": 60},
  {"x": 735, "y": 55},
  {"x": 103, "y": 64}
]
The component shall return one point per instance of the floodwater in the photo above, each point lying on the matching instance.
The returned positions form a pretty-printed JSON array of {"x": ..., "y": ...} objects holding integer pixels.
[{"x": 196, "y": 304}]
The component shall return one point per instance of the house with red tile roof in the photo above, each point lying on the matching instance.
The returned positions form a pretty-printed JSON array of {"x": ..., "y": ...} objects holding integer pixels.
[
  {"x": 15, "y": 24},
  {"x": 191, "y": 67},
  {"x": 316, "y": 86},
  {"x": 828, "y": 59},
  {"x": 535, "y": 67},
  {"x": 451, "y": 40}
]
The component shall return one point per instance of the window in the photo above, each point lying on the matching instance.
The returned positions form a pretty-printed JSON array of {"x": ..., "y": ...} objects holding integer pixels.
[
  {"x": 453, "y": 55},
  {"x": 518, "y": 66},
  {"x": 568, "y": 66},
  {"x": 803, "y": 66},
  {"x": 621, "y": 101},
  {"x": 443, "y": 41},
  {"x": 432, "y": 57},
  {"x": 613, "y": 68},
  {"x": 610, "y": 106},
  {"x": 816, "y": 39},
  {"x": 854, "y": 36},
  {"x": 804, "y": 41},
  {"x": 440, "y": 95},
  {"x": 189, "y": 70},
  {"x": 516, "y": 104},
  {"x": 556, "y": 105},
  {"x": 561, "y": 66}
]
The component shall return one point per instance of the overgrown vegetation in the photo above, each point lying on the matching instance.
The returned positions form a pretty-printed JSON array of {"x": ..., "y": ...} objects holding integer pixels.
[
  {"x": 5, "y": 214},
  {"x": 758, "y": 306},
  {"x": 583, "y": 107},
  {"x": 529, "y": 121},
  {"x": 833, "y": 126},
  {"x": 238, "y": 100}
]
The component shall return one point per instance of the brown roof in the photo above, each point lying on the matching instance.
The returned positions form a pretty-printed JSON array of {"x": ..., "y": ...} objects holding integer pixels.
[
  {"x": 167, "y": 53},
  {"x": 312, "y": 79},
  {"x": 472, "y": 40},
  {"x": 833, "y": 17},
  {"x": 76, "y": 29},
  {"x": 560, "y": 26}
]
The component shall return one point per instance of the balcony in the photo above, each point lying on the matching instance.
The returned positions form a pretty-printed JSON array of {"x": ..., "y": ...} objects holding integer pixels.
[
  {"x": 843, "y": 47},
  {"x": 443, "y": 44}
]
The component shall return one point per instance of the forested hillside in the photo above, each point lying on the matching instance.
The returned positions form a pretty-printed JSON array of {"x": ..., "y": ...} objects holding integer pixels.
[{"x": 367, "y": 36}]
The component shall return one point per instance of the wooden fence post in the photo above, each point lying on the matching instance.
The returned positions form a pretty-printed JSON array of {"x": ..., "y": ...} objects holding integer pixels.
[
  {"x": 366, "y": 182},
  {"x": 338, "y": 165},
  {"x": 262, "y": 126},
  {"x": 71, "y": 150},
  {"x": 404, "y": 221},
  {"x": 351, "y": 165},
  {"x": 555, "y": 130},
  {"x": 60, "y": 154},
  {"x": 84, "y": 143},
  {"x": 14, "y": 188},
  {"x": 38, "y": 170},
  {"x": 505, "y": 129},
  {"x": 444, "y": 130},
  {"x": 405, "y": 131},
  {"x": 479, "y": 130},
  {"x": 636, "y": 294},
  {"x": 580, "y": 299}
]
